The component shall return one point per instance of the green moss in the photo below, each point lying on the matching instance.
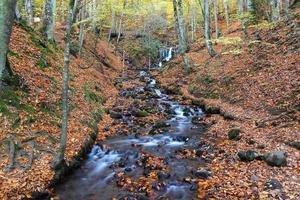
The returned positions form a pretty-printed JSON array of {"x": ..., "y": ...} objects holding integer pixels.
[
  {"x": 234, "y": 134},
  {"x": 92, "y": 96},
  {"x": 141, "y": 113},
  {"x": 13, "y": 54},
  {"x": 206, "y": 80}
]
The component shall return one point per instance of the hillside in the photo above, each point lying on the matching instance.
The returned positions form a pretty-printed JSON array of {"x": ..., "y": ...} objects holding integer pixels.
[
  {"x": 30, "y": 115},
  {"x": 253, "y": 83}
]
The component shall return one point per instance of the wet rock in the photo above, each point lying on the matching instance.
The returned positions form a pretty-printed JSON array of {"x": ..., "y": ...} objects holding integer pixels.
[
  {"x": 272, "y": 184},
  {"x": 199, "y": 152},
  {"x": 247, "y": 156},
  {"x": 181, "y": 138},
  {"x": 186, "y": 111},
  {"x": 163, "y": 175},
  {"x": 198, "y": 103},
  {"x": 140, "y": 113},
  {"x": 234, "y": 134},
  {"x": 276, "y": 158},
  {"x": 161, "y": 124},
  {"x": 115, "y": 115},
  {"x": 198, "y": 121},
  {"x": 295, "y": 144},
  {"x": 128, "y": 169},
  {"x": 202, "y": 173},
  {"x": 193, "y": 187}
]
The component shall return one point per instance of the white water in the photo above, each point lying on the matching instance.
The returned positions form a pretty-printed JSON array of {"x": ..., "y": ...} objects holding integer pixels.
[{"x": 169, "y": 57}]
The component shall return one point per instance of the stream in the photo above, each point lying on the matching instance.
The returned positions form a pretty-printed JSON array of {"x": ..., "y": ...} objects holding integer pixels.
[{"x": 98, "y": 178}]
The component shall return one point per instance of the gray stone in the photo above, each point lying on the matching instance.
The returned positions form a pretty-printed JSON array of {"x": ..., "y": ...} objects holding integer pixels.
[
  {"x": 276, "y": 158},
  {"x": 247, "y": 156},
  {"x": 272, "y": 184}
]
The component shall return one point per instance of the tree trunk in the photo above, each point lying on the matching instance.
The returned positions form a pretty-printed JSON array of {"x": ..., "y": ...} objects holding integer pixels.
[
  {"x": 93, "y": 15},
  {"x": 216, "y": 18},
  {"x": 250, "y": 6},
  {"x": 113, "y": 23},
  {"x": 7, "y": 13},
  {"x": 29, "y": 12},
  {"x": 121, "y": 20},
  {"x": 49, "y": 19},
  {"x": 82, "y": 27},
  {"x": 210, "y": 49},
  {"x": 63, "y": 139},
  {"x": 286, "y": 8},
  {"x": 275, "y": 10},
  {"x": 241, "y": 13},
  {"x": 226, "y": 10},
  {"x": 179, "y": 22}
]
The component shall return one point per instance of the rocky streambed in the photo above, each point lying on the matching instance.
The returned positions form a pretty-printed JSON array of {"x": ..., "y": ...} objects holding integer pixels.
[{"x": 141, "y": 161}]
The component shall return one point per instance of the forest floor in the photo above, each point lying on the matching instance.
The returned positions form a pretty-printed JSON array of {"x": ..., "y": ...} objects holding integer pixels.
[
  {"x": 30, "y": 114},
  {"x": 255, "y": 80}
]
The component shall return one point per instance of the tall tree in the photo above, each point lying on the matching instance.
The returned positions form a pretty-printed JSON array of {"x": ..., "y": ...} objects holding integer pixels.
[
  {"x": 216, "y": 17},
  {"x": 121, "y": 20},
  {"x": 207, "y": 31},
  {"x": 113, "y": 20},
  {"x": 49, "y": 19},
  {"x": 63, "y": 138},
  {"x": 82, "y": 26},
  {"x": 275, "y": 10},
  {"x": 7, "y": 13},
  {"x": 286, "y": 8},
  {"x": 226, "y": 10},
  {"x": 179, "y": 23}
]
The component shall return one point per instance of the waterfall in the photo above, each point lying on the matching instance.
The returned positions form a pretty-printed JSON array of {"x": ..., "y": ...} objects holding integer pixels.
[{"x": 169, "y": 57}]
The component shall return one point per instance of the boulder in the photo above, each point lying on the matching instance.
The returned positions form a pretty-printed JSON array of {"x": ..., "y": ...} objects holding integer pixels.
[
  {"x": 115, "y": 115},
  {"x": 234, "y": 134},
  {"x": 276, "y": 158},
  {"x": 247, "y": 156},
  {"x": 272, "y": 184}
]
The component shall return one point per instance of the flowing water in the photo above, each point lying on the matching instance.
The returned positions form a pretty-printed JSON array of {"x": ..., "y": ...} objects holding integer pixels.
[{"x": 96, "y": 179}]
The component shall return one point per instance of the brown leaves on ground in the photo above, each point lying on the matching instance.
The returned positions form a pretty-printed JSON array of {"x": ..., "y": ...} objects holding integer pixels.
[
  {"x": 36, "y": 129},
  {"x": 259, "y": 86}
]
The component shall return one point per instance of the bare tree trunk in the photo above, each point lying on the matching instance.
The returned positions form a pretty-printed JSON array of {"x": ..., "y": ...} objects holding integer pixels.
[
  {"x": 121, "y": 20},
  {"x": 179, "y": 22},
  {"x": 93, "y": 15},
  {"x": 7, "y": 13},
  {"x": 82, "y": 27},
  {"x": 63, "y": 139},
  {"x": 216, "y": 18},
  {"x": 226, "y": 9},
  {"x": 286, "y": 8},
  {"x": 211, "y": 51},
  {"x": 275, "y": 10},
  {"x": 49, "y": 19},
  {"x": 113, "y": 23},
  {"x": 250, "y": 6},
  {"x": 241, "y": 13},
  {"x": 30, "y": 12}
]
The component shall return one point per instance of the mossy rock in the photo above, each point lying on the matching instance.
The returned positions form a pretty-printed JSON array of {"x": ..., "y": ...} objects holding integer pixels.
[
  {"x": 197, "y": 102},
  {"x": 295, "y": 144},
  {"x": 212, "y": 110},
  {"x": 140, "y": 113},
  {"x": 161, "y": 124},
  {"x": 247, "y": 156},
  {"x": 234, "y": 134}
]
